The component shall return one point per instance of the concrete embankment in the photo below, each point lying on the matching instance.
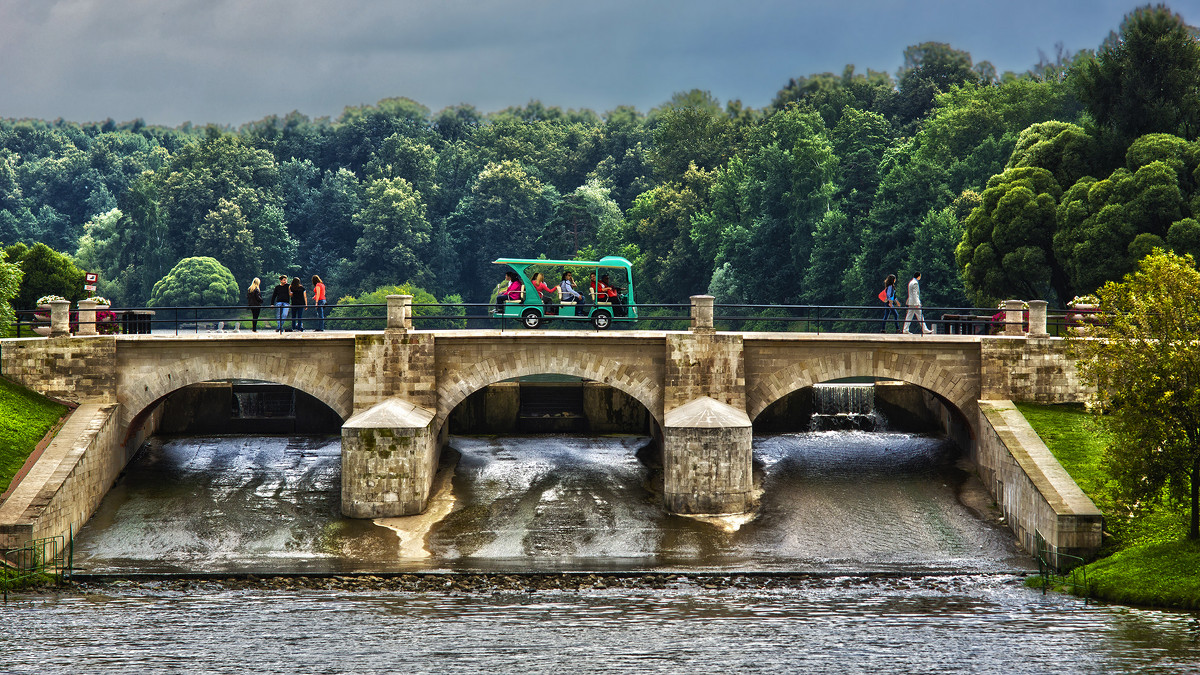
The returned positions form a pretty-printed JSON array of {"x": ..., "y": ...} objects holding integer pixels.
[
  {"x": 65, "y": 485},
  {"x": 1031, "y": 488}
]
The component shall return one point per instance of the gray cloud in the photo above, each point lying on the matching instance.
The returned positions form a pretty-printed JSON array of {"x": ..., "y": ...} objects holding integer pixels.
[{"x": 223, "y": 61}]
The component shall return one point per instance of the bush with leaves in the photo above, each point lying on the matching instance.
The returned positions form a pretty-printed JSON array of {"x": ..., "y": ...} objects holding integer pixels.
[{"x": 355, "y": 313}]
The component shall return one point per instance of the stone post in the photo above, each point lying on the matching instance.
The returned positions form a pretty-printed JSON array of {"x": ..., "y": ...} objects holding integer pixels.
[
  {"x": 398, "y": 308},
  {"x": 702, "y": 313},
  {"x": 1037, "y": 319},
  {"x": 1013, "y": 319},
  {"x": 87, "y": 317},
  {"x": 60, "y": 318}
]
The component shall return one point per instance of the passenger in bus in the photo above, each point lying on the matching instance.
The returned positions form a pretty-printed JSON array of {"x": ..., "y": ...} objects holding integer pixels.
[
  {"x": 566, "y": 288},
  {"x": 511, "y": 292},
  {"x": 615, "y": 295}
]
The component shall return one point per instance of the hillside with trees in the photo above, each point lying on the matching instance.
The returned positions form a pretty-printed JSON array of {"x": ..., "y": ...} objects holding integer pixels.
[{"x": 1041, "y": 184}]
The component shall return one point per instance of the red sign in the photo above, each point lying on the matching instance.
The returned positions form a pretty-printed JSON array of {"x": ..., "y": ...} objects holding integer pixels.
[{"x": 90, "y": 277}]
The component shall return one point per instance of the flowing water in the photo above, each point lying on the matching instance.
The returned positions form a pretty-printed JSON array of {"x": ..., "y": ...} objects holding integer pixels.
[
  {"x": 843, "y": 505},
  {"x": 830, "y": 501}
]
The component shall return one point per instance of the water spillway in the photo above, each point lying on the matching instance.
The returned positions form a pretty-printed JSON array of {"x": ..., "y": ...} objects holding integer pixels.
[
  {"x": 828, "y": 501},
  {"x": 839, "y": 407}
]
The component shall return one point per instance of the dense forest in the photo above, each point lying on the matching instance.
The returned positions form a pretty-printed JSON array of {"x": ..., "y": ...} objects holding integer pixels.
[{"x": 1041, "y": 184}]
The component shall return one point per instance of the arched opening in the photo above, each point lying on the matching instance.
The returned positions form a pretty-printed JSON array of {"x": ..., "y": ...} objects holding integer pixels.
[
  {"x": 226, "y": 476},
  {"x": 875, "y": 472},
  {"x": 546, "y": 470}
]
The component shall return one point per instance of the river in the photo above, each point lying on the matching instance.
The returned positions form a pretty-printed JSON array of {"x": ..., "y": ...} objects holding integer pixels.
[{"x": 906, "y": 570}]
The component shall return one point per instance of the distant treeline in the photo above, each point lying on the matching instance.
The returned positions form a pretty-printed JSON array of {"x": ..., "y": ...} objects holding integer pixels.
[{"x": 1040, "y": 184}]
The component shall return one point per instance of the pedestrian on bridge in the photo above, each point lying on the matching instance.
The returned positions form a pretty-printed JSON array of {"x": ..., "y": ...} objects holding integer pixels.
[
  {"x": 254, "y": 301},
  {"x": 299, "y": 301},
  {"x": 888, "y": 296},
  {"x": 914, "y": 305},
  {"x": 319, "y": 301},
  {"x": 281, "y": 297}
]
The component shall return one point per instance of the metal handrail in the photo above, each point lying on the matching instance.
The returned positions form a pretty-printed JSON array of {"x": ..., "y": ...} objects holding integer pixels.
[
  {"x": 50, "y": 556},
  {"x": 1051, "y": 564},
  {"x": 727, "y": 316}
]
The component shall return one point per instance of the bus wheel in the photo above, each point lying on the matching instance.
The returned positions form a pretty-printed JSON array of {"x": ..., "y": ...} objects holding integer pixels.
[
  {"x": 601, "y": 319},
  {"x": 531, "y": 318}
]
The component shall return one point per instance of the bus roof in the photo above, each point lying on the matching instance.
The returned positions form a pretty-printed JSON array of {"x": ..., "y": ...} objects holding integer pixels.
[{"x": 606, "y": 261}]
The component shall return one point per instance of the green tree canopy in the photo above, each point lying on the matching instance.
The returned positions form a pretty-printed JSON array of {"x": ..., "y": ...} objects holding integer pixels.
[
  {"x": 1146, "y": 78},
  {"x": 10, "y": 285},
  {"x": 196, "y": 282},
  {"x": 1006, "y": 245},
  {"x": 45, "y": 272},
  {"x": 1143, "y": 358}
]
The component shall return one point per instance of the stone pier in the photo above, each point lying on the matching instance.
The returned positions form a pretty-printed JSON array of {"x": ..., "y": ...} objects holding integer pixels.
[{"x": 389, "y": 458}]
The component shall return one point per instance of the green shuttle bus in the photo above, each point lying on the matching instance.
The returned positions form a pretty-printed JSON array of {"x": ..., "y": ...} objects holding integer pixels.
[{"x": 533, "y": 312}]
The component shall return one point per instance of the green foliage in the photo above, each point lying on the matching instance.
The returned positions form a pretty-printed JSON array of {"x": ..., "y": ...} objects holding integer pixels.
[
  {"x": 356, "y": 311},
  {"x": 197, "y": 282},
  {"x": 26, "y": 419},
  {"x": 46, "y": 272},
  {"x": 1145, "y": 365},
  {"x": 1146, "y": 80},
  {"x": 1005, "y": 249},
  {"x": 10, "y": 286},
  {"x": 395, "y": 241},
  {"x": 1062, "y": 148}
]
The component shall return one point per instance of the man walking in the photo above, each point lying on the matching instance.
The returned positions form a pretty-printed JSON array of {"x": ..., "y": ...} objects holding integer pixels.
[{"x": 914, "y": 305}]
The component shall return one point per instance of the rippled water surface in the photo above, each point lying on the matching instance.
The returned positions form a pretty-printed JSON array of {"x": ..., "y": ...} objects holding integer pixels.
[
  {"x": 830, "y": 501},
  {"x": 842, "y": 505},
  {"x": 978, "y": 624}
]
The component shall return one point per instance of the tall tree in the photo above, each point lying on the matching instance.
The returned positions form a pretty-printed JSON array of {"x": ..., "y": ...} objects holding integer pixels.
[
  {"x": 1144, "y": 79},
  {"x": 1145, "y": 365}
]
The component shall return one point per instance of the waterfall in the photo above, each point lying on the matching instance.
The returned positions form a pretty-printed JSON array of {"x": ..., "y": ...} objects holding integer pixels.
[{"x": 844, "y": 407}]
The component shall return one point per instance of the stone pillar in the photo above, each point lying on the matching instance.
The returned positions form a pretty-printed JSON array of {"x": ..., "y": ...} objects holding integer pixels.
[
  {"x": 60, "y": 318},
  {"x": 87, "y": 317},
  {"x": 1037, "y": 319},
  {"x": 707, "y": 459},
  {"x": 399, "y": 312},
  {"x": 1013, "y": 319},
  {"x": 389, "y": 458},
  {"x": 702, "y": 313}
]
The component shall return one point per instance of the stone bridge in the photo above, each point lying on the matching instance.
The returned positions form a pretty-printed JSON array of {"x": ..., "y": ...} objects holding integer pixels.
[{"x": 395, "y": 389}]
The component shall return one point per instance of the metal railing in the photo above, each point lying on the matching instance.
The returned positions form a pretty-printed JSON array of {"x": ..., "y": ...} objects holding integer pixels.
[
  {"x": 39, "y": 560},
  {"x": 1052, "y": 565},
  {"x": 651, "y": 316}
]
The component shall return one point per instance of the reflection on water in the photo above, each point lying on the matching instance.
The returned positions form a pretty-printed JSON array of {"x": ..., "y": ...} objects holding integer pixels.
[
  {"x": 830, "y": 501},
  {"x": 988, "y": 624}
]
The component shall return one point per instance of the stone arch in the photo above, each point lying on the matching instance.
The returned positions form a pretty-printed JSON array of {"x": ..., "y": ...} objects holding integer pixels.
[
  {"x": 960, "y": 392},
  {"x": 457, "y": 385},
  {"x": 139, "y": 393}
]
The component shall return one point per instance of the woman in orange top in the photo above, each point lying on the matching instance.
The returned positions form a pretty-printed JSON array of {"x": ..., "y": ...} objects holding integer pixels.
[{"x": 319, "y": 300}]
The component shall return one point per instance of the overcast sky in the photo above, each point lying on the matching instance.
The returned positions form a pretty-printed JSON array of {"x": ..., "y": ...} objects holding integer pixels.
[{"x": 231, "y": 62}]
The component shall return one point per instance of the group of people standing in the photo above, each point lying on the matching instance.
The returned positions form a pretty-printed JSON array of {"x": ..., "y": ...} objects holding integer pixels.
[
  {"x": 913, "y": 301},
  {"x": 288, "y": 299}
]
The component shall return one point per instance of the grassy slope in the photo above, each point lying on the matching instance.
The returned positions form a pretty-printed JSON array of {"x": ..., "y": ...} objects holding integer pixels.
[
  {"x": 25, "y": 417},
  {"x": 1149, "y": 562}
]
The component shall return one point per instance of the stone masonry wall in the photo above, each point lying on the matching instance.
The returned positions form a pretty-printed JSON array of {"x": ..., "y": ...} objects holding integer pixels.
[
  {"x": 66, "y": 485},
  {"x": 1036, "y": 370},
  {"x": 75, "y": 369},
  {"x": 704, "y": 364},
  {"x": 395, "y": 364}
]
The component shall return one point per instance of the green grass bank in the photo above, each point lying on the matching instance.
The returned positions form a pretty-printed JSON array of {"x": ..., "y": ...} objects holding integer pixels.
[
  {"x": 25, "y": 417},
  {"x": 1148, "y": 561}
]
